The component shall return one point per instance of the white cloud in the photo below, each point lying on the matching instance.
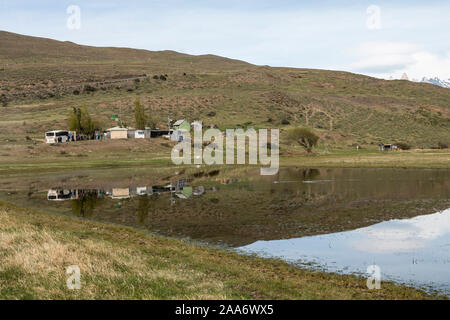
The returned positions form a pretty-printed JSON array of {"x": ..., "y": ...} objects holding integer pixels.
[
  {"x": 385, "y": 59},
  {"x": 403, "y": 235}
]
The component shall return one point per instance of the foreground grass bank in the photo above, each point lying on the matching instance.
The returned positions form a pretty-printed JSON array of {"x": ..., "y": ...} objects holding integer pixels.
[{"x": 121, "y": 263}]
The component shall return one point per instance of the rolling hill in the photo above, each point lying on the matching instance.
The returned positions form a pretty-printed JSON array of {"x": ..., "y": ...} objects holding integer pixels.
[{"x": 42, "y": 79}]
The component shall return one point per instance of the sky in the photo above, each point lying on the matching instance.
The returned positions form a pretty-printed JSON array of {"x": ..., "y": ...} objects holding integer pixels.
[{"x": 375, "y": 38}]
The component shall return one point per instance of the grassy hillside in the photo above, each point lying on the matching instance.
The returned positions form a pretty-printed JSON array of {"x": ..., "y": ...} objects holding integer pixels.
[{"x": 42, "y": 79}]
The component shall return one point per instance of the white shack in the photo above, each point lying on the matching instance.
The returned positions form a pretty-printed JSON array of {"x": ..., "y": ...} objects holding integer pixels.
[{"x": 118, "y": 133}]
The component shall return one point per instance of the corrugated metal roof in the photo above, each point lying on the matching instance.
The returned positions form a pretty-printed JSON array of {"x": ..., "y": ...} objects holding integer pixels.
[{"x": 178, "y": 122}]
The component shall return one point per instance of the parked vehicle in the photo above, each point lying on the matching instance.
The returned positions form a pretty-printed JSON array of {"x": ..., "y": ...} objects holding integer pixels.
[
  {"x": 60, "y": 195},
  {"x": 57, "y": 136}
]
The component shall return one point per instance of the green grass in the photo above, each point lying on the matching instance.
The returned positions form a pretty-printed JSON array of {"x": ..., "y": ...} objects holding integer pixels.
[
  {"x": 32, "y": 156},
  {"x": 121, "y": 263}
]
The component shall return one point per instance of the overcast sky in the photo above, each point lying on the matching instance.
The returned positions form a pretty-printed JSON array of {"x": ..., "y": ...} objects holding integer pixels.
[{"x": 377, "y": 38}]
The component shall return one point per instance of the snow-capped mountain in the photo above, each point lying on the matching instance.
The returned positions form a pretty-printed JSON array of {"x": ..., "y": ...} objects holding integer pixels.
[{"x": 436, "y": 81}]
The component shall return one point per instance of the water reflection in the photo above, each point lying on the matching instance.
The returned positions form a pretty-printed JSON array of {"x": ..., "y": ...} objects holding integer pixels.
[
  {"x": 237, "y": 207},
  {"x": 85, "y": 202},
  {"x": 415, "y": 251},
  {"x": 180, "y": 190}
]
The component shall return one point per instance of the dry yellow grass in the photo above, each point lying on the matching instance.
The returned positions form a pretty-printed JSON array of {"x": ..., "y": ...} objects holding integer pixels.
[
  {"x": 43, "y": 257},
  {"x": 120, "y": 263}
]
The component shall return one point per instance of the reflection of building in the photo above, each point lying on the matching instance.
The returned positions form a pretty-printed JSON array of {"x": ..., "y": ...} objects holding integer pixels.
[
  {"x": 161, "y": 189},
  {"x": 71, "y": 194},
  {"x": 198, "y": 191},
  {"x": 141, "y": 191},
  {"x": 184, "y": 193},
  {"x": 179, "y": 189},
  {"x": 120, "y": 193}
]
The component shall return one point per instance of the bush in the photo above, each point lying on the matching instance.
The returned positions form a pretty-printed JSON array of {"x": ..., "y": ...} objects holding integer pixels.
[
  {"x": 211, "y": 114},
  {"x": 304, "y": 137},
  {"x": 88, "y": 88},
  {"x": 4, "y": 100},
  {"x": 285, "y": 122},
  {"x": 403, "y": 146},
  {"x": 442, "y": 145}
]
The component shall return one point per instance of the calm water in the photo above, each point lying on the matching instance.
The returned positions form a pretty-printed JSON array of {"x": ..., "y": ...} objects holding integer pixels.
[
  {"x": 413, "y": 251},
  {"x": 340, "y": 219}
]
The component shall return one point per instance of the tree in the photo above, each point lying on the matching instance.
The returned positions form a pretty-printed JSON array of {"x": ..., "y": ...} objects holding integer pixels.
[
  {"x": 139, "y": 115},
  {"x": 304, "y": 137},
  {"x": 87, "y": 125},
  {"x": 81, "y": 122},
  {"x": 75, "y": 120}
]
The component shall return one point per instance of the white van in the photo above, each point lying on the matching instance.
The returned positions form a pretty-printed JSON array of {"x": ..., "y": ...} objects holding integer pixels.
[
  {"x": 59, "y": 195},
  {"x": 56, "y": 136}
]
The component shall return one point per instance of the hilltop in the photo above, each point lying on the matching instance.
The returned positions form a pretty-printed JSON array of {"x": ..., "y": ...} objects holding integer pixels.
[{"x": 42, "y": 79}]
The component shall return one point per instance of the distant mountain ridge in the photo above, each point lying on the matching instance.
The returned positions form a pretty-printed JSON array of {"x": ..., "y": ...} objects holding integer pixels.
[{"x": 437, "y": 82}]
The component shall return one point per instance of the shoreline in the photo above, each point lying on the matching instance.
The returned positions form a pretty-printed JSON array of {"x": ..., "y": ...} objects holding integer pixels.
[
  {"x": 133, "y": 258},
  {"x": 433, "y": 159}
]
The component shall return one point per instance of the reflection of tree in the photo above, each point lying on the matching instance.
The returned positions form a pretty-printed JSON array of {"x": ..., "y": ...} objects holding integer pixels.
[
  {"x": 309, "y": 174},
  {"x": 143, "y": 208},
  {"x": 85, "y": 204}
]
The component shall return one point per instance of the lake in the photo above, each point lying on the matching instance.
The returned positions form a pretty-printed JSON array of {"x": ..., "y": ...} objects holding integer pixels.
[{"x": 338, "y": 220}]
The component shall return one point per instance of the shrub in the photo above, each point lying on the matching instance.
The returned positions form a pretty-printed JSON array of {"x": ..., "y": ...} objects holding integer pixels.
[
  {"x": 88, "y": 88},
  {"x": 403, "y": 146},
  {"x": 442, "y": 145},
  {"x": 285, "y": 122},
  {"x": 304, "y": 137}
]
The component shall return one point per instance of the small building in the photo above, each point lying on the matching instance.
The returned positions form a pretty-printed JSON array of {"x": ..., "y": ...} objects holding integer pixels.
[
  {"x": 118, "y": 133},
  {"x": 387, "y": 147},
  {"x": 180, "y": 129},
  {"x": 158, "y": 133},
  {"x": 178, "y": 135},
  {"x": 182, "y": 125},
  {"x": 142, "y": 134}
]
